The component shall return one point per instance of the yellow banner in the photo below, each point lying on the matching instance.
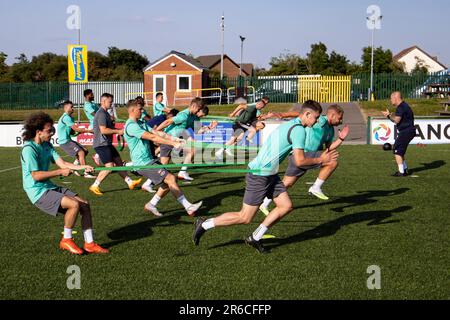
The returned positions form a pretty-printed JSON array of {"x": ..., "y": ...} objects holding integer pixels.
[{"x": 77, "y": 60}]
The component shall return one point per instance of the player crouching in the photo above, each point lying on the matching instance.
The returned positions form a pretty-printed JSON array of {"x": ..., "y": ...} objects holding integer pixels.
[{"x": 37, "y": 154}]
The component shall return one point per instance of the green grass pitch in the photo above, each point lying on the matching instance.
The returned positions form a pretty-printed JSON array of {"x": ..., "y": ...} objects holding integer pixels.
[{"x": 322, "y": 249}]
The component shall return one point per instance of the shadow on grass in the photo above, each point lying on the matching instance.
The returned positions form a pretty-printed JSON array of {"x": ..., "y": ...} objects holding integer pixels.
[
  {"x": 143, "y": 229},
  {"x": 219, "y": 182},
  {"x": 330, "y": 228},
  {"x": 361, "y": 199},
  {"x": 428, "y": 166}
]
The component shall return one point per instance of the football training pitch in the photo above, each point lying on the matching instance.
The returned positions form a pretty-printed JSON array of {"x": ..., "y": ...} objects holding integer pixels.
[{"x": 322, "y": 250}]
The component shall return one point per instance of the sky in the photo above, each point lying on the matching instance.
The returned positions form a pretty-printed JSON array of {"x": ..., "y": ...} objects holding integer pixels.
[{"x": 271, "y": 27}]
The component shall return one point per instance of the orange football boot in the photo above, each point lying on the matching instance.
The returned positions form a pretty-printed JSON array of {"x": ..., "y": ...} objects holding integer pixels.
[
  {"x": 94, "y": 248},
  {"x": 69, "y": 245}
]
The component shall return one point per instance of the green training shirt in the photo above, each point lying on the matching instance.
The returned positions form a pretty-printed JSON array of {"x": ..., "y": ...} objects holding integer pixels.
[{"x": 37, "y": 157}]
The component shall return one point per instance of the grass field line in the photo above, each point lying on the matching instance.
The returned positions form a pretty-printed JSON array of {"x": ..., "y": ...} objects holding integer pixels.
[
  {"x": 10, "y": 169},
  {"x": 15, "y": 168}
]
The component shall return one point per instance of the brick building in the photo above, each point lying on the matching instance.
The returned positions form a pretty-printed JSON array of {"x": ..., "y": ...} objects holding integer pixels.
[
  {"x": 230, "y": 68},
  {"x": 181, "y": 77},
  {"x": 175, "y": 72}
]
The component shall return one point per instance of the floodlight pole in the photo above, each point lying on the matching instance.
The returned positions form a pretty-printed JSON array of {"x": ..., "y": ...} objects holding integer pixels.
[
  {"x": 242, "y": 54},
  {"x": 222, "y": 25},
  {"x": 372, "y": 62}
]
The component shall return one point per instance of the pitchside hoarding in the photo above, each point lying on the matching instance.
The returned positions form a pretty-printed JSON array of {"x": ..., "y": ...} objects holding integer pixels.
[
  {"x": 11, "y": 135},
  {"x": 429, "y": 130}
]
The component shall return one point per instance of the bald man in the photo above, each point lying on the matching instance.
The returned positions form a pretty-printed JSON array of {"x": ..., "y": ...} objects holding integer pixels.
[{"x": 404, "y": 120}]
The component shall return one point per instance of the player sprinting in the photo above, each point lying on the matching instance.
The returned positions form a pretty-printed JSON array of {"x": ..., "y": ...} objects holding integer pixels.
[
  {"x": 247, "y": 120},
  {"x": 103, "y": 132},
  {"x": 176, "y": 127},
  {"x": 90, "y": 108},
  {"x": 138, "y": 136},
  {"x": 286, "y": 138},
  {"x": 37, "y": 154},
  {"x": 318, "y": 136},
  {"x": 66, "y": 125}
]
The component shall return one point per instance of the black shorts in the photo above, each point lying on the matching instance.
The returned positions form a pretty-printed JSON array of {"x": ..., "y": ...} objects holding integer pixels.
[
  {"x": 258, "y": 187},
  {"x": 107, "y": 154},
  {"x": 402, "y": 142},
  {"x": 239, "y": 127}
]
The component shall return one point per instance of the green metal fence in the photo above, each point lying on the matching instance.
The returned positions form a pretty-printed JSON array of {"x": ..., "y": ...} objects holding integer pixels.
[
  {"x": 282, "y": 89},
  {"x": 412, "y": 86},
  {"x": 36, "y": 95}
]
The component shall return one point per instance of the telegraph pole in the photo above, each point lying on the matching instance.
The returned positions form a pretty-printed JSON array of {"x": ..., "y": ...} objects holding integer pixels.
[{"x": 222, "y": 25}]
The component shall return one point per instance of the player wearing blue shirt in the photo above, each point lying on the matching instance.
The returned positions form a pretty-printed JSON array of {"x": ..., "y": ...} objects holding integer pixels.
[{"x": 404, "y": 120}]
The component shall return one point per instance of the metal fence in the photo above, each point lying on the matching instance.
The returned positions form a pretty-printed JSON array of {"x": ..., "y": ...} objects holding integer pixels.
[
  {"x": 36, "y": 95},
  {"x": 412, "y": 86},
  {"x": 279, "y": 89},
  {"x": 283, "y": 89},
  {"x": 122, "y": 90}
]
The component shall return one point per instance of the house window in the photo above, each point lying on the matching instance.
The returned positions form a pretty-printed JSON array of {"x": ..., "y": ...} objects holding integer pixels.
[{"x": 184, "y": 83}]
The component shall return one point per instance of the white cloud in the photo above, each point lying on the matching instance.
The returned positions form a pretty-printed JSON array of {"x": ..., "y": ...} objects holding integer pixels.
[{"x": 163, "y": 20}]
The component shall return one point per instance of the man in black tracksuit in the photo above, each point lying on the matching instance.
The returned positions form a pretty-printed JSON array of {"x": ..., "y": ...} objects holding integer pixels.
[{"x": 404, "y": 120}]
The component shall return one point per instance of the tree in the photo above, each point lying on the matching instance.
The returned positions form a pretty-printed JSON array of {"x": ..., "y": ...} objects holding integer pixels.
[
  {"x": 338, "y": 64},
  {"x": 421, "y": 67},
  {"x": 21, "y": 71},
  {"x": 383, "y": 61},
  {"x": 287, "y": 64},
  {"x": 317, "y": 59},
  {"x": 99, "y": 68},
  {"x": 4, "y": 69},
  {"x": 124, "y": 57}
]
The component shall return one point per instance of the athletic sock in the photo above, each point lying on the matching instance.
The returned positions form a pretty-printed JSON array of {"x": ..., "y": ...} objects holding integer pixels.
[
  {"x": 183, "y": 169},
  {"x": 260, "y": 232},
  {"x": 184, "y": 202},
  {"x": 267, "y": 203},
  {"x": 401, "y": 169},
  {"x": 96, "y": 183},
  {"x": 67, "y": 233},
  {"x": 88, "y": 236},
  {"x": 76, "y": 162},
  {"x": 318, "y": 184},
  {"x": 128, "y": 180},
  {"x": 405, "y": 166},
  {"x": 147, "y": 184},
  {"x": 208, "y": 224},
  {"x": 155, "y": 200}
]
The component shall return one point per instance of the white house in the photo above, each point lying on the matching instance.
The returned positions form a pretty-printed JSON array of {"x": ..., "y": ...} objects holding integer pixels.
[{"x": 412, "y": 56}]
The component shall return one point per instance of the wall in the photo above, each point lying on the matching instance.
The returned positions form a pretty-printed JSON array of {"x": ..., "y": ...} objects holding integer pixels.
[{"x": 411, "y": 61}]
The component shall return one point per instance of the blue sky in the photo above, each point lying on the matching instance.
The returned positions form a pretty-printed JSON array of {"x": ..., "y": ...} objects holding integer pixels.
[{"x": 271, "y": 27}]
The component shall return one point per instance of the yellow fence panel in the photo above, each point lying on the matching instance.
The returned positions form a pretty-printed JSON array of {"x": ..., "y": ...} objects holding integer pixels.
[{"x": 324, "y": 89}]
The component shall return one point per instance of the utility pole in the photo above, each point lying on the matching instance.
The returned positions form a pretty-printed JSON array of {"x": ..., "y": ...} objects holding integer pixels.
[
  {"x": 222, "y": 25},
  {"x": 374, "y": 23},
  {"x": 242, "y": 54}
]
